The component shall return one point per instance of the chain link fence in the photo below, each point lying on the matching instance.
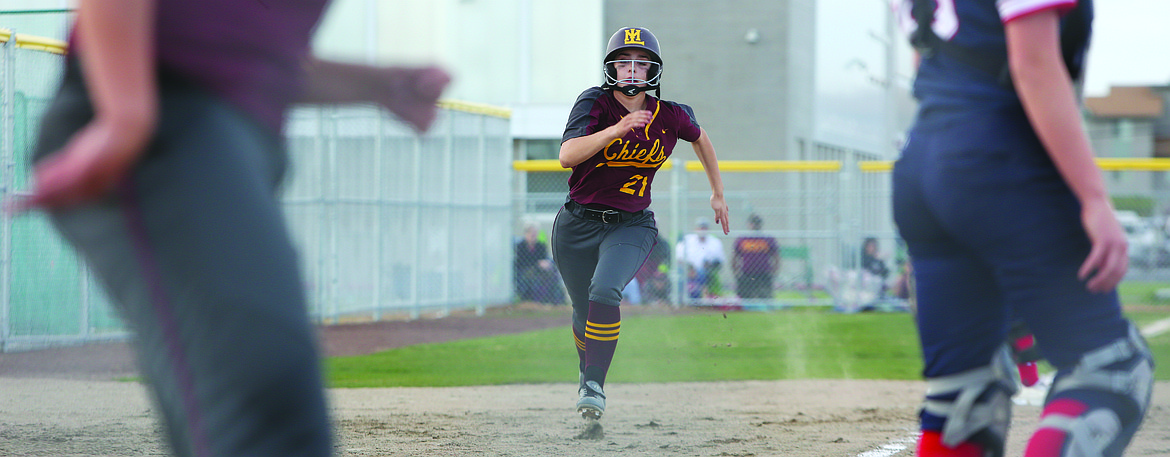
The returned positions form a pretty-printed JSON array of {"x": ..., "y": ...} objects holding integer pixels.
[
  {"x": 387, "y": 223},
  {"x": 810, "y": 232},
  {"x": 45, "y": 296},
  {"x": 797, "y": 228}
]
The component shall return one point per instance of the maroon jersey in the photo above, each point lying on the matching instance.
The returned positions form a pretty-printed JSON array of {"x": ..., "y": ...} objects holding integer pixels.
[
  {"x": 252, "y": 52},
  {"x": 620, "y": 174},
  {"x": 755, "y": 254}
]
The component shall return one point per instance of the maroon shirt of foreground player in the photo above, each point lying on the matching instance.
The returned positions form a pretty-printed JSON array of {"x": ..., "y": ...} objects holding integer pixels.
[
  {"x": 225, "y": 54},
  {"x": 214, "y": 44},
  {"x": 621, "y": 174}
]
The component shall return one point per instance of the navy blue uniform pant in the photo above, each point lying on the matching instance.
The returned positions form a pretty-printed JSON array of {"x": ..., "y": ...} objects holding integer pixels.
[{"x": 994, "y": 232}]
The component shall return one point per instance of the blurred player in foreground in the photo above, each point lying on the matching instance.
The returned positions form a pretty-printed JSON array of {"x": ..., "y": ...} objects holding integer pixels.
[
  {"x": 1006, "y": 214},
  {"x": 616, "y": 138},
  {"x": 159, "y": 160}
]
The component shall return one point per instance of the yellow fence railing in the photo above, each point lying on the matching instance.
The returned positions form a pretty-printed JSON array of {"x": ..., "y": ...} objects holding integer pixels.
[
  {"x": 1133, "y": 164},
  {"x": 33, "y": 42},
  {"x": 555, "y": 165},
  {"x": 770, "y": 165},
  {"x": 476, "y": 108},
  {"x": 869, "y": 166}
]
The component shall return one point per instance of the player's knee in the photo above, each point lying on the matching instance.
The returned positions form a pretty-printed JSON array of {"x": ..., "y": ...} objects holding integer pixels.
[
  {"x": 605, "y": 295},
  {"x": 1094, "y": 408},
  {"x": 975, "y": 405},
  {"x": 580, "y": 316}
]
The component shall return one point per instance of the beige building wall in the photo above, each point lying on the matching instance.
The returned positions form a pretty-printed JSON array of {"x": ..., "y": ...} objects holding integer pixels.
[{"x": 747, "y": 70}]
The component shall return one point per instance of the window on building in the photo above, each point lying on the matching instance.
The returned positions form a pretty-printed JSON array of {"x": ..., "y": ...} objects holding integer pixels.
[{"x": 542, "y": 149}]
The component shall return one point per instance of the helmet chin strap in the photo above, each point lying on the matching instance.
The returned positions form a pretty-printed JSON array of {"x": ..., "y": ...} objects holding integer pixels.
[{"x": 630, "y": 91}]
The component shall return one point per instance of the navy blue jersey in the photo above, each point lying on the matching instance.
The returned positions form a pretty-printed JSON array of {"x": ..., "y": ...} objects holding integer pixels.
[
  {"x": 621, "y": 173},
  {"x": 944, "y": 83}
]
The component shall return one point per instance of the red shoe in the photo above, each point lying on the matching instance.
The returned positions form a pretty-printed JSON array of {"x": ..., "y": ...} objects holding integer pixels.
[{"x": 930, "y": 445}]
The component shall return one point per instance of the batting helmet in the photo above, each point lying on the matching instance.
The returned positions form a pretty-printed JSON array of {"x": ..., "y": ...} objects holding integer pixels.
[{"x": 632, "y": 38}]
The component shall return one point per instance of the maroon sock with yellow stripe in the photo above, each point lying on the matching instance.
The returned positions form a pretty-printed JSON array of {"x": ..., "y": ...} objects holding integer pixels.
[
  {"x": 601, "y": 336},
  {"x": 579, "y": 340}
]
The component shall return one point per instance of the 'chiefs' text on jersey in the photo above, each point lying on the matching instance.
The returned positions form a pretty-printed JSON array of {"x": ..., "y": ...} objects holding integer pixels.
[{"x": 620, "y": 175}]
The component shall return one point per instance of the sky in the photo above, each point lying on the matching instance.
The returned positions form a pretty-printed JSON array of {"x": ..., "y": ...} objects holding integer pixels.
[{"x": 1127, "y": 49}]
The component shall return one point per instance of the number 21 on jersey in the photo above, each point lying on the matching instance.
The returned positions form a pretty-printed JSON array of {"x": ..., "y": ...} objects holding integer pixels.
[{"x": 629, "y": 186}]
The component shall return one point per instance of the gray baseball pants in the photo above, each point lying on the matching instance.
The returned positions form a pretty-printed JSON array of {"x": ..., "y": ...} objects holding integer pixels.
[
  {"x": 597, "y": 259},
  {"x": 194, "y": 251}
]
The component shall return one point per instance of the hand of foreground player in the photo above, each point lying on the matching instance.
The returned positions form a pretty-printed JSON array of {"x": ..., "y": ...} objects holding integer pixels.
[
  {"x": 1108, "y": 259},
  {"x": 720, "y": 206},
  {"x": 95, "y": 160},
  {"x": 412, "y": 94}
]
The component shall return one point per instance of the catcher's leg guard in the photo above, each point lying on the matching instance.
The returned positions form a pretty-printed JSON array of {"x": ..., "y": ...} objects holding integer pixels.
[
  {"x": 976, "y": 404},
  {"x": 1094, "y": 409}
]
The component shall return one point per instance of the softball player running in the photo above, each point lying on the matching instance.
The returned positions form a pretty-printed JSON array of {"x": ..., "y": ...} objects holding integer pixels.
[
  {"x": 616, "y": 138},
  {"x": 1006, "y": 215}
]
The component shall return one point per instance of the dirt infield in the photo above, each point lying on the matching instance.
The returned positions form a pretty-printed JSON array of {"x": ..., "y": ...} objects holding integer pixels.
[{"x": 64, "y": 403}]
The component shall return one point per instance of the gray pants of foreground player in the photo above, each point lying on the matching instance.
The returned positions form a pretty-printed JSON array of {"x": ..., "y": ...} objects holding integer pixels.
[
  {"x": 597, "y": 260},
  {"x": 194, "y": 251}
]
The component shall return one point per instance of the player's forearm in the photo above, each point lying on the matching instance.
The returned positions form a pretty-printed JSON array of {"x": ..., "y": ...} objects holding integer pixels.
[
  {"x": 706, "y": 153},
  {"x": 577, "y": 150},
  {"x": 117, "y": 54},
  {"x": 1050, "y": 102},
  {"x": 333, "y": 82}
]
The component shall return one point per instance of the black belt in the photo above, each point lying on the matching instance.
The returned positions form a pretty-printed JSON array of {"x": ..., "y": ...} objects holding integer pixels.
[{"x": 605, "y": 216}]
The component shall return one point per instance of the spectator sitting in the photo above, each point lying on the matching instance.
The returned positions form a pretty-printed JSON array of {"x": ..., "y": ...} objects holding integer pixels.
[
  {"x": 871, "y": 262},
  {"x": 703, "y": 253},
  {"x": 536, "y": 279}
]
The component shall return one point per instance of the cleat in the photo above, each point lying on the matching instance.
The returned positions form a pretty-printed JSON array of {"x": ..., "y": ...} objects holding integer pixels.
[
  {"x": 589, "y": 413},
  {"x": 591, "y": 405}
]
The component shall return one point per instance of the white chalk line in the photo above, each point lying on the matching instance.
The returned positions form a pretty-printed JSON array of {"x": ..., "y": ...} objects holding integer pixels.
[
  {"x": 1027, "y": 396},
  {"x": 893, "y": 447},
  {"x": 1156, "y": 328}
]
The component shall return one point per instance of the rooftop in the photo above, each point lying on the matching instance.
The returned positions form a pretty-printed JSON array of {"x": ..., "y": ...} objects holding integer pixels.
[{"x": 1126, "y": 101}]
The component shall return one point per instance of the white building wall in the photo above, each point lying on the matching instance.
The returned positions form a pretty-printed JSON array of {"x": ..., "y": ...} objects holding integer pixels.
[
  {"x": 534, "y": 56},
  {"x": 26, "y": 5}
]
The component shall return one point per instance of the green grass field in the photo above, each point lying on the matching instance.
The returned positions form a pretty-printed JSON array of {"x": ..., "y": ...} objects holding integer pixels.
[
  {"x": 711, "y": 346},
  {"x": 1142, "y": 293}
]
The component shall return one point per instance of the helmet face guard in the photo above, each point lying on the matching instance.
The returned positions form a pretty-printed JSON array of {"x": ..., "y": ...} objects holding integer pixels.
[
  {"x": 652, "y": 73},
  {"x": 627, "y": 39}
]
